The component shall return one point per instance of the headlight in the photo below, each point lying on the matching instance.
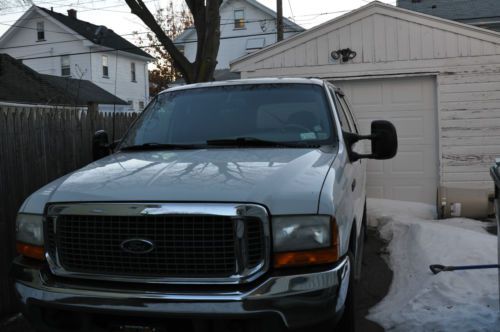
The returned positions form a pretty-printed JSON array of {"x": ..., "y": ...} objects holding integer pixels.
[
  {"x": 29, "y": 229},
  {"x": 304, "y": 240},
  {"x": 295, "y": 233},
  {"x": 29, "y": 235}
]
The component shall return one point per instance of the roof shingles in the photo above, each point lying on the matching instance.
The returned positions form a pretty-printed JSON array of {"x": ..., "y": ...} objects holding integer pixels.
[
  {"x": 97, "y": 34},
  {"x": 459, "y": 10}
]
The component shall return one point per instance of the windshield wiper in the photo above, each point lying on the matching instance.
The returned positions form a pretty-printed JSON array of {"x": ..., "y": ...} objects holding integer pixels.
[
  {"x": 161, "y": 146},
  {"x": 255, "y": 142}
]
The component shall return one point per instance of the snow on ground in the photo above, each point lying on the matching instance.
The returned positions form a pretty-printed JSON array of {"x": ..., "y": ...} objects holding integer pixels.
[{"x": 419, "y": 300}]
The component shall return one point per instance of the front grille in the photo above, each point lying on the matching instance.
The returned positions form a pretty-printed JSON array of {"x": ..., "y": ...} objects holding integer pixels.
[{"x": 184, "y": 246}]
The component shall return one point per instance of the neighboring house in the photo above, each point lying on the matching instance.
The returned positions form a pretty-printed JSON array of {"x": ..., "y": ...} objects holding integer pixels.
[
  {"x": 246, "y": 26},
  {"x": 62, "y": 45},
  {"x": 20, "y": 84},
  {"x": 481, "y": 13},
  {"x": 437, "y": 80}
]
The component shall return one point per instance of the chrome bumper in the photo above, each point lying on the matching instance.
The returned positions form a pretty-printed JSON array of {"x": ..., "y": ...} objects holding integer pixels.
[{"x": 299, "y": 300}]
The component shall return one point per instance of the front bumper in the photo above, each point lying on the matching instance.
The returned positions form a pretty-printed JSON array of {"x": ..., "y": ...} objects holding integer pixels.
[{"x": 295, "y": 300}]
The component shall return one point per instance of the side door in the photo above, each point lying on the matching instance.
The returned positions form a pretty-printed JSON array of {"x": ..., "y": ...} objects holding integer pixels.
[
  {"x": 347, "y": 208},
  {"x": 359, "y": 192}
]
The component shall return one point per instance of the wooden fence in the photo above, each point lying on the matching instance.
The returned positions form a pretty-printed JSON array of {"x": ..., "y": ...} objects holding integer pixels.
[{"x": 38, "y": 145}]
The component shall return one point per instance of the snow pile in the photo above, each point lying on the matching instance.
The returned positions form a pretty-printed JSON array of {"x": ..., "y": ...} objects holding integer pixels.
[{"x": 448, "y": 301}]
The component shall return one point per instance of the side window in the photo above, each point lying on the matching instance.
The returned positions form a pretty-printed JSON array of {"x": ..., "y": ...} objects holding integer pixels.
[
  {"x": 105, "y": 68},
  {"x": 40, "y": 31},
  {"x": 65, "y": 66},
  {"x": 344, "y": 123},
  {"x": 132, "y": 72},
  {"x": 350, "y": 116},
  {"x": 239, "y": 19}
]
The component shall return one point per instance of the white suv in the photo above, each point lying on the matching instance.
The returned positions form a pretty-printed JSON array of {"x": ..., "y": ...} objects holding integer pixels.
[{"x": 227, "y": 205}]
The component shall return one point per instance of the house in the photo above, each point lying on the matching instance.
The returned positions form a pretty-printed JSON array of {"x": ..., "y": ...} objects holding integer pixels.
[
  {"x": 437, "y": 80},
  {"x": 246, "y": 26},
  {"x": 481, "y": 13},
  {"x": 62, "y": 45},
  {"x": 20, "y": 84}
]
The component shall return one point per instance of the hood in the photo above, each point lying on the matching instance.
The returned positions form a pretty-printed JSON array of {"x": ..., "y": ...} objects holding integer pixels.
[{"x": 286, "y": 181}]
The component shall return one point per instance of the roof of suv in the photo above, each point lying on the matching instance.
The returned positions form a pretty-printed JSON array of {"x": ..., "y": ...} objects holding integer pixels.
[{"x": 249, "y": 81}]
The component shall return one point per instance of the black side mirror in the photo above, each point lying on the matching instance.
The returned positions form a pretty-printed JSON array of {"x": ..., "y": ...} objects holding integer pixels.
[
  {"x": 100, "y": 145},
  {"x": 384, "y": 141}
]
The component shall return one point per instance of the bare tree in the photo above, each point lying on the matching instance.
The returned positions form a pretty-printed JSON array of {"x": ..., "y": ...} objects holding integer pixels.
[
  {"x": 206, "y": 19},
  {"x": 173, "y": 20}
]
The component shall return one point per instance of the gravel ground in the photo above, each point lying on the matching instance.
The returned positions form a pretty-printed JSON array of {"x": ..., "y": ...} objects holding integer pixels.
[{"x": 374, "y": 285}]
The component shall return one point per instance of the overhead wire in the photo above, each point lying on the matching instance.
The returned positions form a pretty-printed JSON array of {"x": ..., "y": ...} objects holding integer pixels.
[
  {"x": 140, "y": 47},
  {"x": 81, "y": 39}
]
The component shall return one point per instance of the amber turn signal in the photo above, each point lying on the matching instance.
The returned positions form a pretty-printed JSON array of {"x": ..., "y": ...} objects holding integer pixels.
[
  {"x": 31, "y": 251},
  {"x": 303, "y": 258},
  {"x": 310, "y": 257}
]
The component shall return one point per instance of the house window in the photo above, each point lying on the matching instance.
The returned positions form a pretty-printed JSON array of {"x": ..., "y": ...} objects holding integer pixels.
[
  {"x": 239, "y": 19},
  {"x": 132, "y": 71},
  {"x": 141, "y": 105},
  {"x": 105, "y": 68},
  {"x": 131, "y": 104},
  {"x": 40, "y": 31},
  {"x": 65, "y": 66}
]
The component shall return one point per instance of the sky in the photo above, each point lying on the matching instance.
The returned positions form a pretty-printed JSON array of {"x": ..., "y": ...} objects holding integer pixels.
[{"x": 116, "y": 16}]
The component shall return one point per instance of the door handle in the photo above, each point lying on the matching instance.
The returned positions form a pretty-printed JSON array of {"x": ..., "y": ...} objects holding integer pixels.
[{"x": 353, "y": 185}]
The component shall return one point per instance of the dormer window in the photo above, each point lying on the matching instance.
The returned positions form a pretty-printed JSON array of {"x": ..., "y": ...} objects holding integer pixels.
[
  {"x": 239, "y": 19},
  {"x": 40, "y": 31}
]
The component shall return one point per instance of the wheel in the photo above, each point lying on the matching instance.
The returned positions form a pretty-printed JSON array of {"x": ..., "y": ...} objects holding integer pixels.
[{"x": 348, "y": 321}]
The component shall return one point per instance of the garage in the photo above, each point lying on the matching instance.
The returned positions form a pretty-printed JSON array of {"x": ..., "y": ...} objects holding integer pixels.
[
  {"x": 437, "y": 80},
  {"x": 410, "y": 104}
]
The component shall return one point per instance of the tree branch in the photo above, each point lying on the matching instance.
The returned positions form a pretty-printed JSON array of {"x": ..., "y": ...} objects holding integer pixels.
[{"x": 180, "y": 61}]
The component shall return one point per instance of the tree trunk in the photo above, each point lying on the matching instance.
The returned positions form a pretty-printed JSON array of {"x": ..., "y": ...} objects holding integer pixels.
[{"x": 207, "y": 24}]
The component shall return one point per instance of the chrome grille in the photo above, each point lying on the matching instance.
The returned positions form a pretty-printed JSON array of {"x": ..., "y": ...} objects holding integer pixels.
[
  {"x": 254, "y": 242},
  {"x": 185, "y": 246}
]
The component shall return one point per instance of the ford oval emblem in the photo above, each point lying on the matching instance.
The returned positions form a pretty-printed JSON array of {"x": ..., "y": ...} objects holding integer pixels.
[{"x": 137, "y": 246}]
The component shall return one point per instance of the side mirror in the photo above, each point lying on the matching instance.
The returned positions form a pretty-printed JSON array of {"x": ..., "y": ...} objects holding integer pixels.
[
  {"x": 384, "y": 141},
  {"x": 100, "y": 145}
]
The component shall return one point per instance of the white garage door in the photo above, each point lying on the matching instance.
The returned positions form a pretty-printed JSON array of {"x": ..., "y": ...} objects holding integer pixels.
[{"x": 410, "y": 104}]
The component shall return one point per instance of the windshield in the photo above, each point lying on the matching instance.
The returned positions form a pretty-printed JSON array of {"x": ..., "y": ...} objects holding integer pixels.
[{"x": 282, "y": 113}]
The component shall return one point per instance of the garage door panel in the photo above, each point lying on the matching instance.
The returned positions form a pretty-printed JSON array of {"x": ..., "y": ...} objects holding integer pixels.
[
  {"x": 410, "y": 104},
  {"x": 364, "y": 94},
  {"x": 408, "y": 163}
]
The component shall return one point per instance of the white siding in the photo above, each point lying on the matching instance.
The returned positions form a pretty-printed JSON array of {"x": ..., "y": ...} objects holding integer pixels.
[
  {"x": 120, "y": 75},
  {"x": 470, "y": 127},
  {"x": 57, "y": 42},
  {"x": 379, "y": 39}
]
